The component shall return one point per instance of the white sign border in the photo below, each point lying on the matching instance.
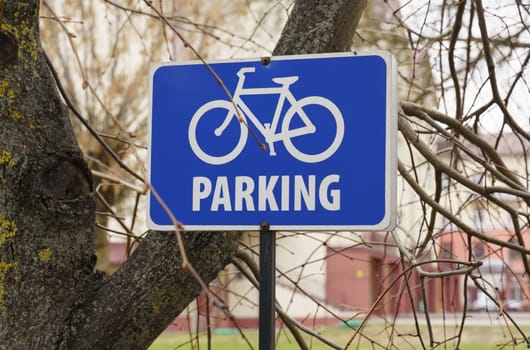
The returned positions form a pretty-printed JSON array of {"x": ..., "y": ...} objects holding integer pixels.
[{"x": 388, "y": 222}]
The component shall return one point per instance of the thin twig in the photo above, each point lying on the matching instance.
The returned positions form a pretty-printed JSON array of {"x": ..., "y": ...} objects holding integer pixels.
[
  {"x": 112, "y": 178},
  {"x": 454, "y": 36},
  {"x": 212, "y": 72},
  {"x": 508, "y": 118},
  {"x": 289, "y": 322},
  {"x": 85, "y": 122}
]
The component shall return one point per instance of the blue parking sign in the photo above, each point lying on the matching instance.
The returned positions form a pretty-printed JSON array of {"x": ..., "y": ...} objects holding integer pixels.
[{"x": 300, "y": 142}]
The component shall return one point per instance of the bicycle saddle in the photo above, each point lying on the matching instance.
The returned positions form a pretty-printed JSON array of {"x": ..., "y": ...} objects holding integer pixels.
[{"x": 285, "y": 80}]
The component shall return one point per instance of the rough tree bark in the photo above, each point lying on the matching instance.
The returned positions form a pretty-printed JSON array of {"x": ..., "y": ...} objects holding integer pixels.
[
  {"x": 50, "y": 297},
  {"x": 320, "y": 26}
]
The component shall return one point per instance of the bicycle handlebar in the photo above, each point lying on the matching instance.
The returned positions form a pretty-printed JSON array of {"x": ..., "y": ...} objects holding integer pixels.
[{"x": 245, "y": 70}]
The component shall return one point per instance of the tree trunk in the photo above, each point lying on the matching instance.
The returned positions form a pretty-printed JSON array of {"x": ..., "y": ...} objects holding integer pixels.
[
  {"x": 320, "y": 26},
  {"x": 50, "y": 297}
]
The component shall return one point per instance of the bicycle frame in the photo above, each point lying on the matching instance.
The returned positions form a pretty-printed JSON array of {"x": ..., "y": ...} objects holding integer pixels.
[{"x": 268, "y": 130}]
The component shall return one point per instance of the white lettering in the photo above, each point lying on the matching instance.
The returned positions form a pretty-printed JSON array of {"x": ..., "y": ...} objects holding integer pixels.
[
  {"x": 266, "y": 194},
  {"x": 244, "y": 187},
  {"x": 334, "y": 204},
  {"x": 202, "y": 187},
  {"x": 285, "y": 193},
  {"x": 297, "y": 193},
  {"x": 305, "y": 192},
  {"x": 221, "y": 194}
]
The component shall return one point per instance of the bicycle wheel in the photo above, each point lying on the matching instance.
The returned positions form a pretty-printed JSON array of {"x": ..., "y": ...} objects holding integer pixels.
[
  {"x": 321, "y": 138},
  {"x": 222, "y": 136}
]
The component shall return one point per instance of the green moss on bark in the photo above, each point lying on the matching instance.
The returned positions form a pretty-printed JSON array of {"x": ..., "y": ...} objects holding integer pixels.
[{"x": 8, "y": 229}]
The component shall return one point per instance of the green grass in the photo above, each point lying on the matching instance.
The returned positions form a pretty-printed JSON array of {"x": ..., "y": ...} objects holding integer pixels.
[{"x": 473, "y": 338}]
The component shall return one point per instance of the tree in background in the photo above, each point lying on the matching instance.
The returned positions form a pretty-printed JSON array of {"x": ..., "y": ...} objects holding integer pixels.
[
  {"x": 51, "y": 297},
  {"x": 463, "y": 128},
  {"x": 106, "y": 79}
]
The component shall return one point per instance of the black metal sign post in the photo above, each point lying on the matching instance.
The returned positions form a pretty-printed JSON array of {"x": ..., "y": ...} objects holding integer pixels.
[{"x": 267, "y": 287}]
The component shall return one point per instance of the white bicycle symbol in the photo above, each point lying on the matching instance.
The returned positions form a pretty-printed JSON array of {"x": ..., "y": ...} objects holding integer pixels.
[{"x": 268, "y": 130}]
